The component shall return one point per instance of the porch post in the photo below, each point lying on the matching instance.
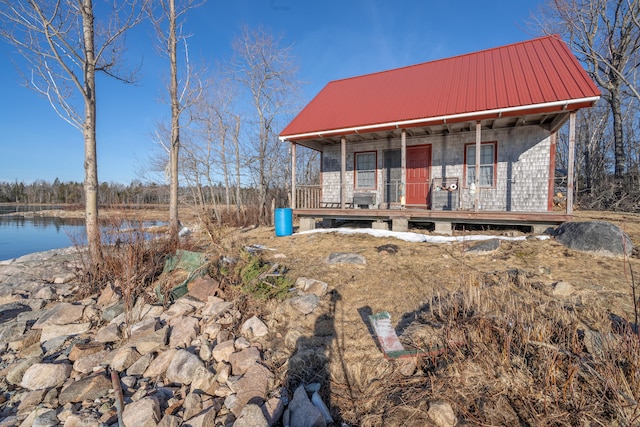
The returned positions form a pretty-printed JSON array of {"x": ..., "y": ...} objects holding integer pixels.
[
  {"x": 403, "y": 168},
  {"x": 477, "y": 180},
  {"x": 552, "y": 170},
  {"x": 572, "y": 148},
  {"x": 343, "y": 172},
  {"x": 293, "y": 175}
]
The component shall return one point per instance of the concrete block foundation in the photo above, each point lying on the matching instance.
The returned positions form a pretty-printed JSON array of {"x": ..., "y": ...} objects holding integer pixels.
[
  {"x": 400, "y": 224},
  {"x": 307, "y": 224},
  {"x": 379, "y": 225},
  {"x": 443, "y": 227}
]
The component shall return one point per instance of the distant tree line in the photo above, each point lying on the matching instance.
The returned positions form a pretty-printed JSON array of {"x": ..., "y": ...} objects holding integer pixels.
[
  {"x": 60, "y": 192},
  {"x": 116, "y": 194}
]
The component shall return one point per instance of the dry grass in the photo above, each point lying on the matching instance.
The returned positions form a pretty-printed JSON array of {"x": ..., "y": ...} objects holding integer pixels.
[
  {"x": 515, "y": 353},
  {"x": 525, "y": 356}
]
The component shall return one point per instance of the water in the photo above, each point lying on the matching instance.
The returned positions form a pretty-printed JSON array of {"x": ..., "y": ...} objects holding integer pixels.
[{"x": 21, "y": 235}]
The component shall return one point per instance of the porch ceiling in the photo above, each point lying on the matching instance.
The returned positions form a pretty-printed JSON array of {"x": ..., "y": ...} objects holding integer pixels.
[{"x": 550, "y": 121}]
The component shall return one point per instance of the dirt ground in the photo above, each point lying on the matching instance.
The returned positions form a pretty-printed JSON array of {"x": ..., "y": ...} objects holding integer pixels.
[{"x": 403, "y": 283}]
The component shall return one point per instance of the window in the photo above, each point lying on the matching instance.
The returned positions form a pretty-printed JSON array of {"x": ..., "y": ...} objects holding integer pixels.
[
  {"x": 366, "y": 170},
  {"x": 487, "y": 164}
]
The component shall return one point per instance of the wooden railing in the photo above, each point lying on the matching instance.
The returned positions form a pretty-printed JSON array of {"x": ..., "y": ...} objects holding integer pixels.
[{"x": 308, "y": 196}]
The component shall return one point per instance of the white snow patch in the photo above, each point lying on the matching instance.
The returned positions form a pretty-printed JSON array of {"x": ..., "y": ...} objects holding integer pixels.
[{"x": 415, "y": 237}]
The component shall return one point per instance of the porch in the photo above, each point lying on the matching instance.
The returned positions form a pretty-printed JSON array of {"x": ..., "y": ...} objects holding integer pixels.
[{"x": 311, "y": 211}]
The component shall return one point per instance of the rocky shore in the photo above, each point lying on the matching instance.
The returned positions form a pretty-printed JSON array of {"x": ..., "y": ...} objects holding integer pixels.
[{"x": 198, "y": 361}]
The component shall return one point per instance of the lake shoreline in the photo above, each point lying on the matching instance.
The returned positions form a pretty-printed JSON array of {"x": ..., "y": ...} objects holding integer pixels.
[{"x": 159, "y": 213}]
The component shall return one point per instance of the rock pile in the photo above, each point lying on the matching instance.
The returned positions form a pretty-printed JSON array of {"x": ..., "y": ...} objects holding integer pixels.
[{"x": 195, "y": 362}]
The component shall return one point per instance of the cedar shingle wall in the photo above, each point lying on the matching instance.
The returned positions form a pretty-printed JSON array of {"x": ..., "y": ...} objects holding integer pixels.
[{"x": 522, "y": 169}]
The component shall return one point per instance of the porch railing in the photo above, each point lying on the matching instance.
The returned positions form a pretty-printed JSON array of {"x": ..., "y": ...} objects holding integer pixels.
[{"x": 308, "y": 196}]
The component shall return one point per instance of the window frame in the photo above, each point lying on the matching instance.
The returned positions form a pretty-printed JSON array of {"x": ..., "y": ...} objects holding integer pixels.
[
  {"x": 494, "y": 165},
  {"x": 356, "y": 170}
]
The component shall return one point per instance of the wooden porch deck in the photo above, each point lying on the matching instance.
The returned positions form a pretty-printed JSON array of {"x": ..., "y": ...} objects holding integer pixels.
[{"x": 442, "y": 219}]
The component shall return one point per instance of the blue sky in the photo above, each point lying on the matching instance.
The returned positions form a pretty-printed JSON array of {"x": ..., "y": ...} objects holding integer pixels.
[{"x": 331, "y": 39}]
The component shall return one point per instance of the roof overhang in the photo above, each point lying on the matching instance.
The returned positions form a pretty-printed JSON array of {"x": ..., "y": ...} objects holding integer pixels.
[{"x": 524, "y": 110}]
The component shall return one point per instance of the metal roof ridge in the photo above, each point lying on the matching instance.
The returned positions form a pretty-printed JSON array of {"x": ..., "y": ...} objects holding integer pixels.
[{"x": 477, "y": 52}]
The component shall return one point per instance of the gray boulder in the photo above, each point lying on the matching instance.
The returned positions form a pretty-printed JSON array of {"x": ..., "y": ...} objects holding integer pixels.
[
  {"x": 599, "y": 237},
  {"x": 484, "y": 247}
]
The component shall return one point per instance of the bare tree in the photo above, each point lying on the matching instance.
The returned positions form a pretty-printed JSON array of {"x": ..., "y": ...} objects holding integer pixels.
[
  {"x": 606, "y": 36},
  {"x": 64, "y": 44},
  {"x": 169, "y": 30},
  {"x": 266, "y": 72}
]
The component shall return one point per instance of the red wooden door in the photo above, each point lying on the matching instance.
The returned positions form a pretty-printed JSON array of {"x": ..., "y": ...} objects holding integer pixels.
[{"x": 418, "y": 174}]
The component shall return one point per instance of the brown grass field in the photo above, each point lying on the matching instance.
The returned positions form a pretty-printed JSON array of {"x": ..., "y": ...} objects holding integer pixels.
[
  {"x": 505, "y": 349},
  {"x": 513, "y": 352}
]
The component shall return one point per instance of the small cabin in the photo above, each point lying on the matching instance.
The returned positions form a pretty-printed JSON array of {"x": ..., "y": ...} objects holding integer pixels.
[{"x": 464, "y": 140}]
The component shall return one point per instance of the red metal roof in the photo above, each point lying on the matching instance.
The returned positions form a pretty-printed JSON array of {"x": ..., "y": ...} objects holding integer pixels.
[{"x": 540, "y": 74}]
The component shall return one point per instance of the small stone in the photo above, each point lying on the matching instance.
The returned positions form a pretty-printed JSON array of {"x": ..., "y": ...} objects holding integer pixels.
[
  {"x": 170, "y": 421},
  {"x": 206, "y": 418},
  {"x": 86, "y": 364},
  {"x": 109, "y": 333},
  {"x": 192, "y": 405},
  {"x": 204, "y": 380},
  {"x": 108, "y": 297},
  {"x": 158, "y": 366},
  {"x": 182, "y": 367},
  {"x": 183, "y": 332},
  {"x": 223, "y": 351},
  {"x": 202, "y": 288},
  {"x": 484, "y": 247},
  {"x": 89, "y": 388},
  {"x": 45, "y": 375},
  {"x": 214, "y": 309},
  {"x": 243, "y": 360},
  {"x": 442, "y": 415},
  {"x": 312, "y": 286},
  {"x": 29, "y": 400},
  {"x": 140, "y": 365},
  {"x": 47, "y": 418},
  {"x": 562, "y": 289},
  {"x": 205, "y": 351},
  {"x": 81, "y": 420},
  {"x": 224, "y": 371},
  {"x": 34, "y": 350},
  {"x": 16, "y": 371},
  {"x": 128, "y": 381},
  {"x": 305, "y": 304},
  {"x": 254, "y": 327},
  {"x": 406, "y": 366},
  {"x": 211, "y": 330},
  {"x": 179, "y": 309},
  {"x": 251, "y": 416},
  {"x": 252, "y": 387},
  {"x": 151, "y": 341},
  {"x": 26, "y": 340},
  {"x": 113, "y": 311},
  {"x": 122, "y": 358},
  {"x": 273, "y": 410},
  {"x": 144, "y": 326},
  {"x": 47, "y": 293},
  {"x": 84, "y": 349},
  {"x": 346, "y": 258},
  {"x": 143, "y": 413},
  {"x": 60, "y": 314},
  {"x": 241, "y": 343},
  {"x": 50, "y": 332},
  {"x": 303, "y": 412}
]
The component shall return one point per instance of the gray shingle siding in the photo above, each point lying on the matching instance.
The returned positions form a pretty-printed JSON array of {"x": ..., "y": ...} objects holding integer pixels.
[{"x": 522, "y": 182}]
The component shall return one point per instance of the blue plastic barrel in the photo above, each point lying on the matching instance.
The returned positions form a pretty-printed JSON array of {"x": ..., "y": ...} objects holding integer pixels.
[{"x": 284, "y": 222}]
